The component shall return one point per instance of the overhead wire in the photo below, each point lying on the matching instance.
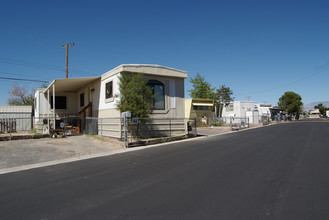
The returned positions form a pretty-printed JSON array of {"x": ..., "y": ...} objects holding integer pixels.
[
  {"x": 287, "y": 84},
  {"x": 37, "y": 65},
  {"x": 19, "y": 74},
  {"x": 27, "y": 80}
]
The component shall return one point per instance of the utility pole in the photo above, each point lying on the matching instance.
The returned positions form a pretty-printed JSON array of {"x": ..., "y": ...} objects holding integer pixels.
[{"x": 67, "y": 58}]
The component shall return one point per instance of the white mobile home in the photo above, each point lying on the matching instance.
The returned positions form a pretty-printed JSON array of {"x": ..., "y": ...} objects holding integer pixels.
[
  {"x": 241, "y": 110},
  {"x": 168, "y": 82},
  {"x": 314, "y": 113},
  {"x": 237, "y": 109},
  {"x": 264, "y": 109},
  {"x": 96, "y": 96}
]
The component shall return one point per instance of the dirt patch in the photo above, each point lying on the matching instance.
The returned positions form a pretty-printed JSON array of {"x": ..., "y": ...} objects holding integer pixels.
[
  {"x": 31, "y": 151},
  {"x": 113, "y": 142},
  {"x": 59, "y": 142}
]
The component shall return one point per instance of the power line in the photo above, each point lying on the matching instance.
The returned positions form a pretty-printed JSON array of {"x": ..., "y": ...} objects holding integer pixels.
[
  {"x": 28, "y": 80},
  {"x": 19, "y": 74},
  {"x": 37, "y": 65},
  {"x": 287, "y": 84},
  {"x": 30, "y": 64}
]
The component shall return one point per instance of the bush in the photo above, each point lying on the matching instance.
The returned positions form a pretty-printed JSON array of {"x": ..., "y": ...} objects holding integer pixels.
[{"x": 216, "y": 123}]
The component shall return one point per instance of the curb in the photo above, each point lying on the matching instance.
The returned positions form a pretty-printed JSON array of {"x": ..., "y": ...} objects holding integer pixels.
[{"x": 21, "y": 137}]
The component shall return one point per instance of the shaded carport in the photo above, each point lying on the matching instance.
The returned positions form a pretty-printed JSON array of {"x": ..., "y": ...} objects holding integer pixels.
[{"x": 64, "y": 86}]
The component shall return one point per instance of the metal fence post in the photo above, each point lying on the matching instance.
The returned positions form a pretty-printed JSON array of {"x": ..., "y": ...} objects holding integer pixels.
[
  {"x": 127, "y": 121},
  {"x": 101, "y": 127},
  {"x": 196, "y": 133},
  {"x": 231, "y": 126},
  {"x": 10, "y": 127},
  {"x": 65, "y": 125},
  {"x": 124, "y": 131},
  {"x": 170, "y": 127}
]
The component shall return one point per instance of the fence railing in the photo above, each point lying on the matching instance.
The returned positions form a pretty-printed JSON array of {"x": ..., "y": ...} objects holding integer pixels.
[
  {"x": 160, "y": 127},
  {"x": 149, "y": 128},
  {"x": 137, "y": 128},
  {"x": 15, "y": 124},
  {"x": 231, "y": 121},
  {"x": 68, "y": 125},
  {"x": 238, "y": 123},
  {"x": 22, "y": 121},
  {"x": 7, "y": 125}
]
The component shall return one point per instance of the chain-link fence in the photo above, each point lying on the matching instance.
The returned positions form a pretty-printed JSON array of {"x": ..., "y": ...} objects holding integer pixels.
[
  {"x": 239, "y": 123},
  {"x": 141, "y": 129},
  {"x": 144, "y": 128},
  {"x": 234, "y": 122},
  {"x": 136, "y": 128},
  {"x": 69, "y": 125}
]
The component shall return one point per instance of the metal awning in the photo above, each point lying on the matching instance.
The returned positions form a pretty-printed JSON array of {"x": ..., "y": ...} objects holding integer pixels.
[
  {"x": 64, "y": 85},
  {"x": 202, "y": 104},
  {"x": 71, "y": 84}
]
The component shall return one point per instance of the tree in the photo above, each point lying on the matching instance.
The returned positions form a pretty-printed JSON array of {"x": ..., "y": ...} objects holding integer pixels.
[
  {"x": 20, "y": 95},
  {"x": 201, "y": 88},
  {"x": 223, "y": 96},
  {"x": 322, "y": 108},
  {"x": 291, "y": 103},
  {"x": 44, "y": 85},
  {"x": 135, "y": 95}
]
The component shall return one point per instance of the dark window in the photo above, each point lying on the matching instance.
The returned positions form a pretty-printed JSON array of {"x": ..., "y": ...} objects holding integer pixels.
[
  {"x": 230, "y": 107},
  {"x": 159, "y": 94},
  {"x": 82, "y": 99},
  {"x": 198, "y": 107},
  {"x": 109, "y": 90},
  {"x": 60, "y": 102}
]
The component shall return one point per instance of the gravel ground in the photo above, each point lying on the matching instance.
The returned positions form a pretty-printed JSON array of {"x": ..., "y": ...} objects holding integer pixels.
[
  {"x": 23, "y": 152},
  {"x": 32, "y": 151}
]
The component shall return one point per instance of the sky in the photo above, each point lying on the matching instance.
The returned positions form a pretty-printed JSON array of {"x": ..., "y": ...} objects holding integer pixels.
[{"x": 258, "y": 48}]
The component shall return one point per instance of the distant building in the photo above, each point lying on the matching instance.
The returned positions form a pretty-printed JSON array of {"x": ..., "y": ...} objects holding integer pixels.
[
  {"x": 275, "y": 113},
  {"x": 21, "y": 116},
  {"x": 238, "y": 109},
  {"x": 264, "y": 109},
  {"x": 202, "y": 109},
  {"x": 314, "y": 113},
  {"x": 241, "y": 110}
]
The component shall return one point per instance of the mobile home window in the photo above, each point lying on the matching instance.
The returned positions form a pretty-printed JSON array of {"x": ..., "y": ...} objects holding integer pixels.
[
  {"x": 60, "y": 102},
  {"x": 230, "y": 107},
  {"x": 197, "y": 107},
  {"x": 159, "y": 94},
  {"x": 82, "y": 99},
  {"x": 109, "y": 90}
]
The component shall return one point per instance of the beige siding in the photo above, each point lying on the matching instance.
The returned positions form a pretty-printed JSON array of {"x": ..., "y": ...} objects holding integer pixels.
[
  {"x": 91, "y": 94},
  {"x": 109, "y": 113},
  {"x": 188, "y": 106},
  {"x": 12, "y": 109},
  {"x": 109, "y": 127},
  {"x": 71, "y": 105},
  {"x": 146, "y": 69}
]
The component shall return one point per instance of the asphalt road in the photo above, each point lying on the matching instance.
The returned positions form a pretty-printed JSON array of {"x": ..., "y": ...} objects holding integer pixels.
[{"x": 275, "y": 172}]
